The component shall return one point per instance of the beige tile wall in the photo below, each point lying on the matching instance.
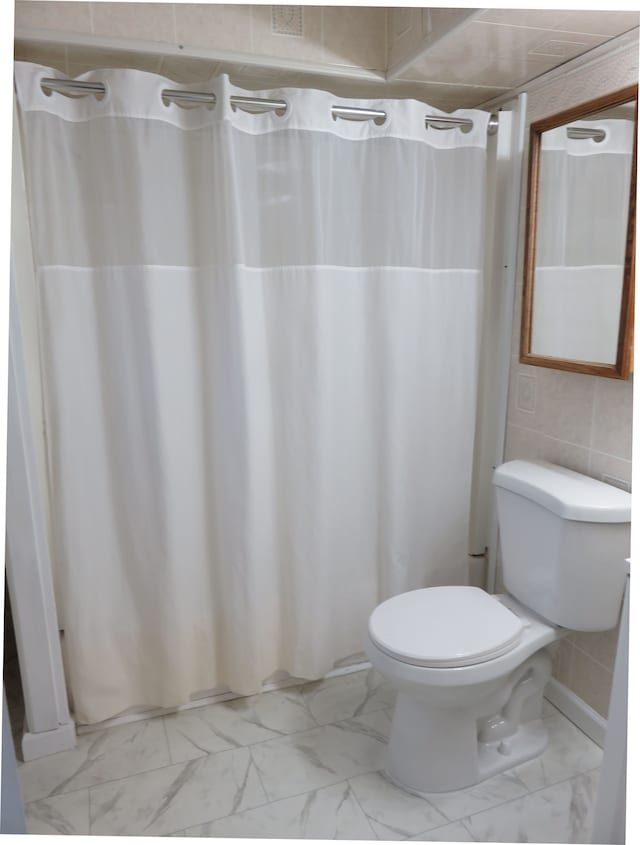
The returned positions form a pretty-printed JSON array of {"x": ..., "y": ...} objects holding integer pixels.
[
  {"x": 341, "y": 35},
  {"x": 582, "y": 422}
]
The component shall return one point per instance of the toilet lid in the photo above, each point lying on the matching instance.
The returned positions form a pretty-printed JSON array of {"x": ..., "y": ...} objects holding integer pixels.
[{"x": 444, "y": 627}]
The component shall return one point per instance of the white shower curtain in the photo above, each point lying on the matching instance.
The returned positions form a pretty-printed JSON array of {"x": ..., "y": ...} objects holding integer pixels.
[
  {"x": 583, "y": 209},
  {"x": 259, "y": 341}
]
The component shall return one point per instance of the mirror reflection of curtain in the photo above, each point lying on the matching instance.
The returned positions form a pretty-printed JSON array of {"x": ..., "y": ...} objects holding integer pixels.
[{"x": 583, "y": 206}]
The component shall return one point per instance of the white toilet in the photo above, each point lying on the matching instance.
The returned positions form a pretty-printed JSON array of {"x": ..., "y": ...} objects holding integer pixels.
[{"x": 471, "y": 667}]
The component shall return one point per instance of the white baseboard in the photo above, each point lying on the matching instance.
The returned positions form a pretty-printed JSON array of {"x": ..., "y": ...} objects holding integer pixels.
[
  {"x": 577, "y": 711},
  {"x": 42, "y": 744}
]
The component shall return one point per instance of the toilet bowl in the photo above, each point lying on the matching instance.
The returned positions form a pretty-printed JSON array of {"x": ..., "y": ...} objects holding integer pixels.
[
  {"x": 470, "y": 702},
  {"x": 470, "y": 668}
]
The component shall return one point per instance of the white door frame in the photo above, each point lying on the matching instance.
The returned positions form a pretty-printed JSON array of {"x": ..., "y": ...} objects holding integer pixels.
[
  {"x": 49, "y": 727},
  {"x": 28, "y": 569}
]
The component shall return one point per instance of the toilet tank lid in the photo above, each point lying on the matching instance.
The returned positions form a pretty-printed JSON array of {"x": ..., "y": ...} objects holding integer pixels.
[{"x": 566, "y": 493}]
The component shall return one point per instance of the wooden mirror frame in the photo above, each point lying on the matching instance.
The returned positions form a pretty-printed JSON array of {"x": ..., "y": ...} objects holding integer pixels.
[{"x": 624, "y": 361}]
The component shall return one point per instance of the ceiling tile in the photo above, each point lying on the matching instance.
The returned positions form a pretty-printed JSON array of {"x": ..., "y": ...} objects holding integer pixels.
[
  {"x": 598, "y": 23},
  {"x": 481, "y": 40},
  {"x": 540, "y": 18},
  {"x": 592, "y": 22},
  {"x": 504, "y": 41},
  {"x": 427, "y": 69},
  {"x": 509, "y": 72},
  {"x": 565, "y": 45}
]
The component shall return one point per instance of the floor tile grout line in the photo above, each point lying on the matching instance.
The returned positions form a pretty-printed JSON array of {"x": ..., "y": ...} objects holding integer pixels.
[
  {"x": 91, "y": 786},
  {"x": 527, "y": 794},
  {"x": 257, "y": 768},
  {"x": 297, "y": 733},
  {"x": 249, "y": 747},
  {"x": 237, "y": 812},
  {"x": 210, "y": 754},
  {"x": 298, "y": 794},
  {"x": 209, "y": 821},
  {"x": 261, "y": 806},
  {"x": 362, "y": 810},
  {"x": 90, "y": 823},
  {"x": 166, "y": 737},
  {"x": 347, "y": 781},
  {"x": 375, "y": 771},
  {"x": 449, "y": 820},
  {"x": 532, "y": 792},
  {"x": 315, "y": 789},
  {"x": 558, "y": 782},
  {"x": 184, "y": 763},
  {"x": 228, "y": 815},
  {"x": 214, "y": 753}
]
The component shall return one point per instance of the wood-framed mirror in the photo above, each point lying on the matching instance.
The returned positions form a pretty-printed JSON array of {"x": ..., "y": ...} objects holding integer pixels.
[{"x": 579, "y": 268}]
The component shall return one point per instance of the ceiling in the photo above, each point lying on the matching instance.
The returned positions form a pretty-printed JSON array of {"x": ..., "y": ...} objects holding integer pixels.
[
  {"x": 450, "y": 58},
  {"x": 507, "y": 47}
]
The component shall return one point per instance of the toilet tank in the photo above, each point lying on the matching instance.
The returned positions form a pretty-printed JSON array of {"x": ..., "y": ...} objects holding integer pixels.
[{"x": 565, "y": 538}]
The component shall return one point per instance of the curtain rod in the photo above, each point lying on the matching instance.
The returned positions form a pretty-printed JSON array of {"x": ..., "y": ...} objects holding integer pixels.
[
  {"x": 581, "y": 132},
  {"x": 256, "y": 105}
]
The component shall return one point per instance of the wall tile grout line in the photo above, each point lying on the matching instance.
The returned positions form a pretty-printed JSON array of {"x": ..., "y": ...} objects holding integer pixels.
[
  {"x": 174, "y": 16},
  {"x": 568, "y": 442},
  {"x": 599, "y": 663},
  {"x": 593, "y": 419},
  {"x": 549, "y": 436}
]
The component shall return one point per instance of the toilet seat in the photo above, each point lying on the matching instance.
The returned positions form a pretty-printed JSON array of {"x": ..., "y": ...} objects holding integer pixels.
[{"x": 444, "y": 627}]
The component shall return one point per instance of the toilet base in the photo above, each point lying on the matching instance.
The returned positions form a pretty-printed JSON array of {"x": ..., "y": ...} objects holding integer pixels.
[
  {"x": 529, "y": 741},
  {"x": 437, "y": 744}
]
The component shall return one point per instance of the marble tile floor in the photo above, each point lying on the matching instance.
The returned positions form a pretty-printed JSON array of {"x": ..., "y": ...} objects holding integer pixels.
[{"x": 303, "y": 763}]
